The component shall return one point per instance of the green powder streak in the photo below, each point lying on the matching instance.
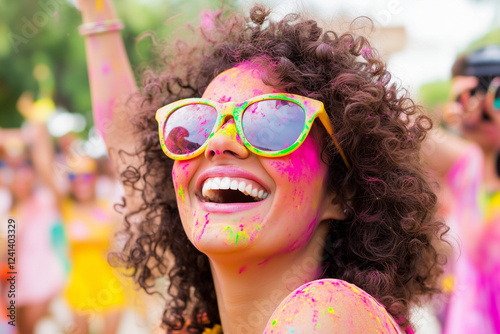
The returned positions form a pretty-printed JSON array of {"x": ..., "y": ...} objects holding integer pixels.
[{"x": 181, "y": 193}]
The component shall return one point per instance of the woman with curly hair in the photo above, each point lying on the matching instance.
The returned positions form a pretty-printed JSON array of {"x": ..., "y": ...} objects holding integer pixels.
[{"x": 272, "y": 176}]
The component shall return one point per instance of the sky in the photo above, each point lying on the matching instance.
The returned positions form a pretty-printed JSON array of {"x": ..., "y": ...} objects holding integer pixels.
[{"x": 437, "y": 30}]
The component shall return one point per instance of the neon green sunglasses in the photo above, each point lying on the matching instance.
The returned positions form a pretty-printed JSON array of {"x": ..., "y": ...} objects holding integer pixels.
[{"x": 270, "y": 125}]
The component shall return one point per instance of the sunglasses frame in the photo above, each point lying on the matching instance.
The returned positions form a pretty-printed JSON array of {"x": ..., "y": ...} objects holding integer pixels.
[
  {"x": 464, "y": 97},
  {"x": 492, "y": 92},
  {"x": 313, "y": 109},
  {"x": 86, "y": 176}
]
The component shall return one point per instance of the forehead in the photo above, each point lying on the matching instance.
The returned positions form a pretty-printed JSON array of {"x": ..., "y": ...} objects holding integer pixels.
[{"x": 238, "y": 84}]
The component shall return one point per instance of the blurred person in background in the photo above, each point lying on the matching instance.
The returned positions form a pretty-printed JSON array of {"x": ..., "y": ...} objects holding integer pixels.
[
  {"x": 94, "y": 291},
  {"x": 93, "y": 287},
  {"x": 39, "y": 248},
  {"x": 5, "y": 202},
  {"x": 469, "y": 165}
]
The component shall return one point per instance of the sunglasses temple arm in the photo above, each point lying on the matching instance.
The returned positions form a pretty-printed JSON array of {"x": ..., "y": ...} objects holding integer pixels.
[
  {"x": 326, "y": 123},
  {"x": 341, "y": 151}
]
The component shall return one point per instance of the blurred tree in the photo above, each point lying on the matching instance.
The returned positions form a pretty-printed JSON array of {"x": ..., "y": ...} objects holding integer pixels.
[
  {"x": 34, "y": 32},
  {"x": 434, "y": 94}
]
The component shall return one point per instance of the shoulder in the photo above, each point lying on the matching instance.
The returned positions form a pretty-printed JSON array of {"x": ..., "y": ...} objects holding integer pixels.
[{"x": 330, "y": 306}]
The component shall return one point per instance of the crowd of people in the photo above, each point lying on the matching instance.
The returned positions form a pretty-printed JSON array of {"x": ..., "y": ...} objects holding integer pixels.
[
  {"x": 61, "y": 203},
  {"x": 273, "y": 176}
]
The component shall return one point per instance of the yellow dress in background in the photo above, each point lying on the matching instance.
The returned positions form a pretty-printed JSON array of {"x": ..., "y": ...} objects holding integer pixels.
[{"x": 93, "y": 286}]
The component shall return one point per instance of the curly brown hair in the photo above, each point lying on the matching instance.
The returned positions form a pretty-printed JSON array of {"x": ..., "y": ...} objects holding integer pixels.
[{"x": 388, "y": 244}]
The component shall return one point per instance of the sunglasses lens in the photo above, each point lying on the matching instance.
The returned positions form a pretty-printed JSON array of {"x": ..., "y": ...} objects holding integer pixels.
[
  {"x": 188, "y": 127},
  {"x": 496, "y": 98},
  {"x": 273, "y": 125}
]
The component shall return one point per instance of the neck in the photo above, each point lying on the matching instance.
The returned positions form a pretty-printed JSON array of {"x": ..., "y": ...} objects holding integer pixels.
[
  {"x": 248, "y": 294},
  {"x": 491, "y": 178}
]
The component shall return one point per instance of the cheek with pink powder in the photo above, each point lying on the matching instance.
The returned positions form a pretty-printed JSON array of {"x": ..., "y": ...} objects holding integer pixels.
[
  {"x": 181, "y": 173},
  {"x": 303, "y": 174}
]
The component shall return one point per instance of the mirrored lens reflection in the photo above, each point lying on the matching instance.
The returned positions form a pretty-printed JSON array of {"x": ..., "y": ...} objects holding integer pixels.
[
  {"x": 273, "y": 125},
  {"x": 189, "y": 127}
]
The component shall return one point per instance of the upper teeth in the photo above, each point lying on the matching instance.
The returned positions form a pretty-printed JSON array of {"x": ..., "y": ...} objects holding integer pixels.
[{"x": 247, "y": 188}]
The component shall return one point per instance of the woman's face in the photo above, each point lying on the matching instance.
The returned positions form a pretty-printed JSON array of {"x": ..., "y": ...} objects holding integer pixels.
[
  {"x": 83, "y": 186},
  {"x": 23, "y": 179},
  {"x": 479, "y": 121},
  {"x": 284, "y": 220}
]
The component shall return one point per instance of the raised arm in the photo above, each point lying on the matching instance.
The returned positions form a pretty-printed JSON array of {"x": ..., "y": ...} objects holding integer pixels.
[
  {"x": 442, "y": 149},
  {"x": 111, "y": 85},
  {"x": 110, "y": 75}
]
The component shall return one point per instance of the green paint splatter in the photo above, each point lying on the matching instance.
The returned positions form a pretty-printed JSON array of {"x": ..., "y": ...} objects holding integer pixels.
[
  {"x": 331, "y": 310},
  {"x": 243, "y": 235},
  {"x": 228, "y": 228},
  {"x": 274, "y": 322},
  {"x": 181, "y": 193}
]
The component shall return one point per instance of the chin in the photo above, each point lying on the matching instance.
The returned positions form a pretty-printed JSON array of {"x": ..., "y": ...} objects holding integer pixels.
[
  {"x": 224, "y": 233},
  {"x": 240, "y": 239}
]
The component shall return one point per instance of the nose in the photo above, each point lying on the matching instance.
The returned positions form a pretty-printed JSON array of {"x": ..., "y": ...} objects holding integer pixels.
[{"x": 226, "y": 141}]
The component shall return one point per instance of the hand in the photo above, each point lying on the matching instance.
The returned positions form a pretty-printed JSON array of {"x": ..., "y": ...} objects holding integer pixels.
[{"x": 464, "y": 107}]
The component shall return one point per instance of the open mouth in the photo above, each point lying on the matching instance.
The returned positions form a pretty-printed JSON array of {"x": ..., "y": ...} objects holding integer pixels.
[{"x": 232, "y": 190}]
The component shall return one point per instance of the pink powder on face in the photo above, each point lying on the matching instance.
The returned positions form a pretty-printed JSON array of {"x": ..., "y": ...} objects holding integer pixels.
[
  {"x": 242, "y": 269},
  {"x": 303, "y": 163},
  {"x": 225, "y": 99},
  {"x": 296, "y": 175},
  {"x": 257, "y": 92},
  {"x": 204, "y": 226}
]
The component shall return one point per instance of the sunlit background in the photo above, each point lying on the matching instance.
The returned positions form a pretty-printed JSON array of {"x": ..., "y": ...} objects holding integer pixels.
[{"x": 433, "y": 31}]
